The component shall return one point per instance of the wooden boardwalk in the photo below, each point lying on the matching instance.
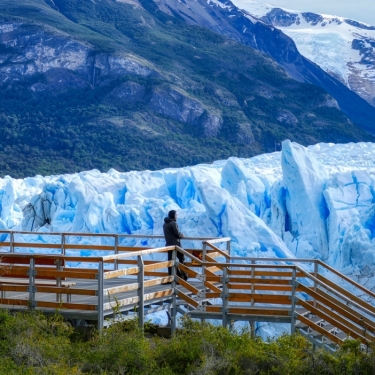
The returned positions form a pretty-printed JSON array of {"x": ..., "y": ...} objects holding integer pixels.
[{"x": 123, "y": 284}]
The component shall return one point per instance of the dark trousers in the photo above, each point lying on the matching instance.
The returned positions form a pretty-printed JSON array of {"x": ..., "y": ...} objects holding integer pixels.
[{"x": 181, "y": 259}]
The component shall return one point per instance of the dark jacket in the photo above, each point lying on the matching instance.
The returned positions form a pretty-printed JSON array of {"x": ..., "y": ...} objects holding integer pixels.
[{"x": 171, "y": 233}]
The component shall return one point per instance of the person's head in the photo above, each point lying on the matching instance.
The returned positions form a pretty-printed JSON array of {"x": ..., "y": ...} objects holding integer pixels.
[{"x": 172, "y": 214}]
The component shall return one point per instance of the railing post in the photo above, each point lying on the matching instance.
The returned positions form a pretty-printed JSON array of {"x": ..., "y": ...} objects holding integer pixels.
[
  {"x": 228, "y": 251},
  {"x": 32, "y": 283},
  {"x": 204, "y": 251},
  {"x": 101, "y": 296},
  {"x": 252, "y": 323},
  {"x": 174, "y": 297},
  {"x": 62, "y": 244},
  {"x": 141, "y": 291},
  {"x": 58, "y": 281},
  {"x": 116, "y": 253},
  {"x": 224, "y": 296},
  {"x": 316, "y": 270},
  {"x": 11, "y": 236},
  {"x": 293, "y": 313}
]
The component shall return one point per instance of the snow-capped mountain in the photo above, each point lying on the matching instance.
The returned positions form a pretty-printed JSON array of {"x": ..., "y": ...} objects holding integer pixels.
[
  {"x": 342, "y": 47},
  {"x": 225, "y": 17}
]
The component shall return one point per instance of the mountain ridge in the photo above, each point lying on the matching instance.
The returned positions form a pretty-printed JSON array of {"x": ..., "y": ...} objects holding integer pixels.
[
  {"x": 129, "y": 88},
  {"x": 343, "y": 47}
]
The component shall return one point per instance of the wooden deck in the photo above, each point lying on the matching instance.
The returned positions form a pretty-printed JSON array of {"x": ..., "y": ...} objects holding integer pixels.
[{"x": 123, "y": 285}]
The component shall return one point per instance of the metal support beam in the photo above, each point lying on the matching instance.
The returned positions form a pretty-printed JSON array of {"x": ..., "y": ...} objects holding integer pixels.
[
  {"x": 228, "y": 250},
  {"x": 174, "y": 297},
  {"x": 316, "y": 270},
  {"x": 224, "y": 296},
  {"x": 58, "y": 280},
  {"x": 32, "y": 283},
  {"x": 115, "y": 266},
  {"x": 141, "y": 292},
  {"x": 11, "y": 240},
  {"x": 63, "y": 244},
  {"x": 101, "y": 296},
  {"x": 294, "y": 281}
]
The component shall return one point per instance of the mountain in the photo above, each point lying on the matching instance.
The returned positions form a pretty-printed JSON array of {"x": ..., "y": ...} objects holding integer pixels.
[
  {"x": 343, "y": 47},
  {"x": 224, "y": 17},
  {"x": 125, "y": 85}
]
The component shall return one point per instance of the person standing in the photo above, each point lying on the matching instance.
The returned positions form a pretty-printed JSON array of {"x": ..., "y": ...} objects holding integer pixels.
[{"x": 172, "y": 238}]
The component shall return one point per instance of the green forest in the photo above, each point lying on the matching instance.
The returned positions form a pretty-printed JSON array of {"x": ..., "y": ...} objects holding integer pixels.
[
  {"x": 78, "y": 128},
  {"x": 32, "y": 343}
]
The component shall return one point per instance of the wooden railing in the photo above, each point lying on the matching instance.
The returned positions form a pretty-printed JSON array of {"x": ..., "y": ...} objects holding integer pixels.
[{"x": 303, "y": 292}]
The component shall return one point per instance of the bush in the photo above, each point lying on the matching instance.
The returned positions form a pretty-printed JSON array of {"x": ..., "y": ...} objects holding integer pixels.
[{"x": 31, "y": 343}]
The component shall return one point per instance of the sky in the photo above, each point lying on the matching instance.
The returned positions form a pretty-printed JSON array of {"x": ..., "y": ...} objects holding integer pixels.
[{"x": 359, "y": 10}]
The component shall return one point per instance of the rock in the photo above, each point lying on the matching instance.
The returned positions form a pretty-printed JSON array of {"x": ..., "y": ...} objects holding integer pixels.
[
  {"x": 128, "y": 92},
  {"x": 179, "y": 106},
  {"x": 287, "y": 118}
]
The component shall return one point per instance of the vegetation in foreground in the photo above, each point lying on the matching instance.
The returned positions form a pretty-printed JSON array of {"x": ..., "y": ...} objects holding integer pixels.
[{"x": 31, "y": 343}]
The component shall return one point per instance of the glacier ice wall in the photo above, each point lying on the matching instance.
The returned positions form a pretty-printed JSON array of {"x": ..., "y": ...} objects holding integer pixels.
[{"x": 304, "y": 202}]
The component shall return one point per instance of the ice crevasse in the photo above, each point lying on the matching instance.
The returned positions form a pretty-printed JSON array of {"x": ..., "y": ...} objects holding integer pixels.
[{"x": 315, "y": 202}]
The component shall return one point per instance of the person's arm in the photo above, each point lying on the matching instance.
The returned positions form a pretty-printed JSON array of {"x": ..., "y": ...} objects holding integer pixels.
[{"x": 176, "y": 231}]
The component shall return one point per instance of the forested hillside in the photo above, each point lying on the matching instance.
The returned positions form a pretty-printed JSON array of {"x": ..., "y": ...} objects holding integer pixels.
[{"x": 123, "y": 85}]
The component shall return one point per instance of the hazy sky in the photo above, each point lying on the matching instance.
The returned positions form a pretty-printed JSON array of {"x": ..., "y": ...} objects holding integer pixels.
[{"x": 360, "y": 10}]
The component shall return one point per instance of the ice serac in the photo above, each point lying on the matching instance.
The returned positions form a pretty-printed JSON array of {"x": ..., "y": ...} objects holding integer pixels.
[
  {"x": 304, "y": 179},
  {"x": 233, "y": 219}
]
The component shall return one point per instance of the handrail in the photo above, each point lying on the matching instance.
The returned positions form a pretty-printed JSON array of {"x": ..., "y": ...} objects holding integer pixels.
[
  {"x": 85, "y": 234},
  {"x": 348, "y": 279},
  {"x": 338, "y": 294}
]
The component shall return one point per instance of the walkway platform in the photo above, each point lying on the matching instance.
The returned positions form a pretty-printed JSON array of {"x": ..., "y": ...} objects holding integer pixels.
[{"x": 133, "y": 281}]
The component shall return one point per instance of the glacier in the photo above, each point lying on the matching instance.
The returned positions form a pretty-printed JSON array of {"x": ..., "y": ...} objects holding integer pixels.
[
  {"x": 305, "y": 202},
  {"x": 341, "y": 46}
]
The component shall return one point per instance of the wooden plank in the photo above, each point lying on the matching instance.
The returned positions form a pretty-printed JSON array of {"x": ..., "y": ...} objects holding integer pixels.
[
  {"x": 187, "y": 285},
  {"x": 319, "y": 329},
  {"x": 65, "y": 305},
  {"x": 160, "y": 294},
  {"x": 159, "y": 281},
  {"x": 217, "y": 240},
  {"x": 14, "y": 288},
  {"x": 23, "y": 281},
  {"x": 14, "y": 302},
  {"x": 345, "y": 293},
  {"x": 213, "y": 269},
  {"x": 360, "y": 330},
  {"x": 214, "y": 254},
  {"x": 123, "y": 272},
  {"x": 335, "y": 319},
  {"x": 275, "y": 288},
  {"x": 134, "y": 261},
  {"x": 187, "y": 299},
  {"x": 157, "y": 274},
  {"x": 343, "y": 309},
  {"x": 263, "y": 298},
  {"x": 219, "y": 251},
  {"x": 189, "y": 271},
  {"x": 122, "y": 302},
  {"x": 68, "y": 274},
  {"x": 213, "y": 308},
  {"x": 259, "y": 312},
  {"x": 156, "y": 266},
  {"x": 278, "y": 274},
  {"x": 212, "y": 287},
  {"x": 243, "y": 280},
  {"x": 213, "y": 295},
  {"x": 62, "y": 290},
  {"x": 121, "y": 288}
]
